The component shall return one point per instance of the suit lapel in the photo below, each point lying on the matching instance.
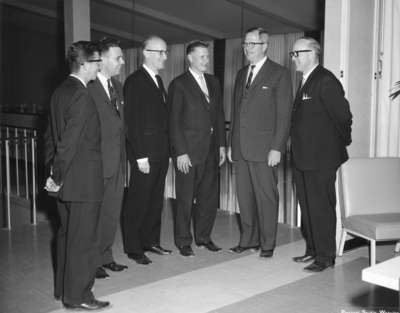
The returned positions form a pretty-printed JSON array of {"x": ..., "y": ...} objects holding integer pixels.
[
  {"x": 152, "y": 82},
  {"x": 262, "y": 75},
  {"x": 195, "y": 86}
]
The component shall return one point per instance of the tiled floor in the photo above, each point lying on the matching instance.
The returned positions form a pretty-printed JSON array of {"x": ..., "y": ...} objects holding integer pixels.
[{"x": 209, "y": 282}]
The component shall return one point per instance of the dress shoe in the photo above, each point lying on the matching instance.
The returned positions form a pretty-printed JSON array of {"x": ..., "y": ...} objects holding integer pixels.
[
  {"x": 303, "y": 258},
  {"x": 209, "y": 245},
  {"x": 101, "y": 273},
  {"x": 238, "y": 249},
  {"x": 186, "y": 251},
  {"x": 140, "y": 258},
  {"x": 115, "y": 267},
  {"x": 266, "y": 253},
  {"x": 88, "y": 306},
  {"x": 157, "y": 249},
  {"x": 318, "y": 266}
]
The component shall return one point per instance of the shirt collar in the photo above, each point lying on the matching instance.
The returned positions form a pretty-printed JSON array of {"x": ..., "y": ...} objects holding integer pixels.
[
  {"x": 308, "y": 73},
  {"x": 103, "y": 79},
  {"x": 78, "y": 78},
  {"x": 259, "y": 63},
  {"x": 195, "y": 74}
]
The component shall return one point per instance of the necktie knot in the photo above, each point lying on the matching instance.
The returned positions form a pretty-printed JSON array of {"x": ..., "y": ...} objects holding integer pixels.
[
  {"x": 112, "y": 94},
  {"x": 203, "y": 86},
  {"x": 161, "y": 86},
  {"x": 249, "y": 79}
]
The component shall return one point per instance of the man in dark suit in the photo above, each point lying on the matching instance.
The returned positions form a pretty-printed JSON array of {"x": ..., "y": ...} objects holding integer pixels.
[
  {"x": 74, "y": 153},
  {"x": 197, "y": 135},
  {"x": 259, "y": 131},
  {"x": 321, "y": 130},
  {"x": 106, "y": 92},
  {"x": 146, "y": 120}
]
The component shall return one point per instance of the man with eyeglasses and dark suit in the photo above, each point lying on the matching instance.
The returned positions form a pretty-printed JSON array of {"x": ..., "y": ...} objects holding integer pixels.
[
  {"x": 320, "y": 132},
  {"x": 73, "y": 151},
  {"x": 146, "y": 120},
  {"x": 259, "y": 130}
]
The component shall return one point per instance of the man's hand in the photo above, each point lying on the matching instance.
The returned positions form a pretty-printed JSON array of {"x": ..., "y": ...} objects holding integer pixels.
[
  {"x": 183, "y": 163},
  {"x": 222, "y": 155},
  {"x": 229, "y": 154},
  {"x": 274, "y": 157},
  {"x": 51, "y": 186},
  {"x": 144, "y": 165}
]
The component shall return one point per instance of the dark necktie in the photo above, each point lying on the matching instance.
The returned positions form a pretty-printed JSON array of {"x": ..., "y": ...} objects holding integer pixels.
[
  {"x": 113, "y": 95},
  {"x": 161, "y": 87},
  {"x": 248, "y": 83}
]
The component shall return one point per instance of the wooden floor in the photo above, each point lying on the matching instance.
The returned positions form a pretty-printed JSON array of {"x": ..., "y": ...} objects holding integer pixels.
[{"x": 209, "y": 282}]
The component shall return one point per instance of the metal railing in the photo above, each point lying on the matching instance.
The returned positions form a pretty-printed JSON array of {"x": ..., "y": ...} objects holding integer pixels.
[{"x": 18, "y": 168}]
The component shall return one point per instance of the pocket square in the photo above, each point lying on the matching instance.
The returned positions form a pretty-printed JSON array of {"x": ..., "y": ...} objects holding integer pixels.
[
  {"x": 264, "y": 87},
  {"x": 306, "y": 97}
]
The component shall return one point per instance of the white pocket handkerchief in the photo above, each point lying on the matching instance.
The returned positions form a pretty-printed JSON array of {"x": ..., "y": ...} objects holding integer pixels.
[{"x": 306, "y": 97}]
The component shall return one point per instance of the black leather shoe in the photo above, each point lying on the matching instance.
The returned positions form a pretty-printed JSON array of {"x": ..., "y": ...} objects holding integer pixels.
[
  {"x": 303, "y": 258},
  {"x": 317, "y": 266},
  {"x": 238, "y": 249},
  {"x": 266, "y": 253},
  {"x": 140, "y": 258},
  {"x": 209, "y": 245},
  {"x": 115, "y": 267},
  {"x": 101, "y": 273},
  {"x": 157, "y": 249},
  {"x": 88, "y": 306},
  {"x": 186, "y": 251}
]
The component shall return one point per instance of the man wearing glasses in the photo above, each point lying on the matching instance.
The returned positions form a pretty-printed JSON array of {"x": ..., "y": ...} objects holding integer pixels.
[
  {"x": 73, "y": 150},
  {"x": 259, "y": 130},
  {"x": 146, "y": 120},
  {"x": 320, "y": 132}
]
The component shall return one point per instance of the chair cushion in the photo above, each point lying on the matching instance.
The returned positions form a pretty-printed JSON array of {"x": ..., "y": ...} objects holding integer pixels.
[{"x": 375, "y": 226}]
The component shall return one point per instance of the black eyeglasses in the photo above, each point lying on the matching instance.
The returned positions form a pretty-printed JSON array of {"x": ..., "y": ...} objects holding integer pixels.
[
  {"x": 251, "y": 44},
  {"x": 160, "y": 52},
  {"x": 94, "y": 60},
  {"x": 295, "y": 53}
]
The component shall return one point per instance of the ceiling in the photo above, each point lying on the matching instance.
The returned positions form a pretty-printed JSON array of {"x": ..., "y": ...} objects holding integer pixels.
[{"x": 175, "y": 20}]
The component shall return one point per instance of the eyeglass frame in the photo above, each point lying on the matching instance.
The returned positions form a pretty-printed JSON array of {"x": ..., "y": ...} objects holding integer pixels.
[
  {"x": 160, "y": 52},
  {"x": 252, "y": 44},
  {"x": 295, "y": 53}
]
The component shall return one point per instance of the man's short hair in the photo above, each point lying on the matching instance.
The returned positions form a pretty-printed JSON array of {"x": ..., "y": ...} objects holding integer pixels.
[
  {"x": 313, "y": 44},
  {"x": 80, "y": 52},
  {"x": 106, "y": 43},
  {"x": 195, "y": 44},
  {"x": 262, "y": 33}
]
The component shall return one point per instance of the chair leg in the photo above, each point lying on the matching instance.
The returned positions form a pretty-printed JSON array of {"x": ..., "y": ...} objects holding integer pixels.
[
  {"x": 372, "y": 258},
  {"x": 397, "y": 247},
  {"x": 342, "y": 242}
]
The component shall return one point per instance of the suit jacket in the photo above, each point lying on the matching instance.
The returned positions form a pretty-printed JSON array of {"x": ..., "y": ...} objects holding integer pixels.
[
  {"x": 74, "y": 143},
  {"x": 146, "y": 118},
  {"x": 260, "y": 118},
  {"x": 193, "y": 120},
  {"x": 112, "y": 126},
  {"x": 321, "y": 126}
]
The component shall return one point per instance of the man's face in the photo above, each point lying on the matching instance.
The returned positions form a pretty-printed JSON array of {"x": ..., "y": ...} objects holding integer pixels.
[
  {"x": 155, "y": 54},
  {"x": 112, "y": 61},
  {"x": 92, "y": 66},
  {"x": 302, "y": 56},
  {"x": 254, "y": 47},
  {"x": 199, "y": 59}
]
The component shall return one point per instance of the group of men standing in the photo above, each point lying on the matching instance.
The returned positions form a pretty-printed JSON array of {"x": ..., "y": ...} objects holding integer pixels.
[{"x": 95, "y": 124}]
